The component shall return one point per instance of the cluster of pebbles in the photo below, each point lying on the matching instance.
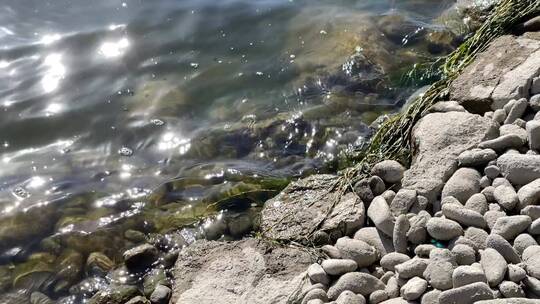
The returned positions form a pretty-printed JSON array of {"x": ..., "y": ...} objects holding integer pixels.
[{"x": 478, "y": 241}]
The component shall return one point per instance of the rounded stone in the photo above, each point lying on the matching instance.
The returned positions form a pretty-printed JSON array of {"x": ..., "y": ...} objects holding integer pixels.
[
  {"x": 389, "y": 170},
  {"x": 359, "y": 251},
  {"x": 338, "y": 266},
  {"x": 443, "y": 229}
]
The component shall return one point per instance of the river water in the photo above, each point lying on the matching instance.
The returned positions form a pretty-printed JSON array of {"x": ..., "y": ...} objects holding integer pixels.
[{"x": 179, "y": 117}]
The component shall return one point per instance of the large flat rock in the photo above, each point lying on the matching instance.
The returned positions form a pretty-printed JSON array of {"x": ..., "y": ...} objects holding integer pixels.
[
  {"x": 504, "y": 71},
  {"x": 247, "y": 271},
  {"x": 311, "y": 205},
  {"x": 438, "y": 140}
]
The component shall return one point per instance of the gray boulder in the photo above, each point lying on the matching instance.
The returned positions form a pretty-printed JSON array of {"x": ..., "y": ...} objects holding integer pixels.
[
  {"x": 260, "y": 273},
  {"x": 465, "y": 275},
  {"x": 306, "y": 206},
  {"x": 503, "y": 247},
  {"x": 496, "y": 76},
  {"x": 413, "y": 289},
  {"x": 438, "y": 147},
  {"x": 402, "y": 202},
  {"x": 380, "y": 241}
]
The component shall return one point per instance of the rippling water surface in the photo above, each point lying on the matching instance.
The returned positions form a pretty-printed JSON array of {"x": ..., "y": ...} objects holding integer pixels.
[{"x": 118, "y": 117}]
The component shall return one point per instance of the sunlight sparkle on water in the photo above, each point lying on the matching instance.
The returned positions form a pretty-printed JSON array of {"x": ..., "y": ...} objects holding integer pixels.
[
  {"x": 3, "y": 64},
  {"x": 114, "y": 49},
  {"x": 48, "y": 39},
  {"x": 54, "y": 73}
]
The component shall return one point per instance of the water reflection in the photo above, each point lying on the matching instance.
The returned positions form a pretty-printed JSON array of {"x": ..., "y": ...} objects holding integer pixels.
[
  {"x": 114, "y": 49},
  {"x": 167, "y": 121},
  {"x": 55, "y": 71}
]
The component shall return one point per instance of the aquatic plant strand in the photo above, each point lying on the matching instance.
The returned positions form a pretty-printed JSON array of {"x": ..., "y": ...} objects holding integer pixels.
[{"x": 393, "y": 139}]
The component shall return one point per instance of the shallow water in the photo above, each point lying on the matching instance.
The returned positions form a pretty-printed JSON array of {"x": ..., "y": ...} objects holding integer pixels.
[{"x": 104, "y": 102}]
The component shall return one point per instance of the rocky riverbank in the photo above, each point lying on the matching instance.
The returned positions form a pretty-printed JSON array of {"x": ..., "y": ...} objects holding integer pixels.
[{"x": 460, "y": 225}]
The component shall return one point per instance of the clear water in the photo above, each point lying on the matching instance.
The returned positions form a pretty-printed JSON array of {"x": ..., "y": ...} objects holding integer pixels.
[{"x": 101, "y": 102}]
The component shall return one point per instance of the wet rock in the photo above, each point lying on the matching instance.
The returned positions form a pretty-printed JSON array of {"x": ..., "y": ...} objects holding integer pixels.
[
  {"x": 392, "y": 259},
  {"x": 114, "y": 295},
  {"x": 389, "y": 170},
  {"x": 506, "y": 196},
  {"x": 260, "y": 272},
  {"x": 98, "y": 263},
  {"x": 494, "y": 266},
  {"x": 152, "y": 279},
  {"x": 401, "y": 227},
  {"x": 412, "y": 268},
  {"x": 465, "y": 255},
  {"x": 380, "y": 214},
  {"x": 510, "y": 226},
  {"x": 519, "y": 169},
  {"x": 439, "y": 274},
  {"x": 438, "y": 148},
  {"x": 443, "y": 229},
  {"x": 467, "y": 294},
  {"x": 413, "y": 289},
  {"x": 476, "y": 157},
  {"x": 381, "y": 242},
  {"x": 160, "y": 295},
  {"x": 37, "y": 297},
  {"x": 356, "y": 282},
  {"x": 462, "y": 185},
  {"x": 465, "y": 275},
  {"x": 529, "y": 194},
  {"x": 503, "y": 247},
  {"x": 402, "y": 202},
  {"x": 338, "y": 267},
  {"x": 511, "y": 290},
  {"x": 317, "y": 274},
  {"x": 531, "y": 259},
  {"x": 313, "y": 207},
  {"x": 141, "y": 256},
  {"x": 463, "y": 216},
  {"x": 138, "y": 300},
  {"x": 359, "y": 251}
]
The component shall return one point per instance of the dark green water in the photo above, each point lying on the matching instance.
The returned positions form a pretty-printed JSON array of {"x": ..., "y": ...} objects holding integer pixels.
[{"x": 180, "y": 117}]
